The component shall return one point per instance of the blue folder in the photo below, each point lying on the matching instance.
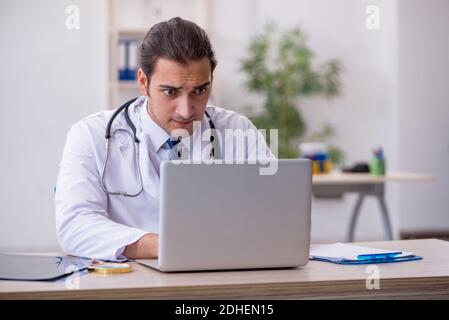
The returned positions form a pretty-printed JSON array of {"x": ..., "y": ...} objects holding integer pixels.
[{"x": 342, "y": 253}]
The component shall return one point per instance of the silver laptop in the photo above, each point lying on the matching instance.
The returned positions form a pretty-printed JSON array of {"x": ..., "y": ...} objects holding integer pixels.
[{"x": 229, "y": 216}]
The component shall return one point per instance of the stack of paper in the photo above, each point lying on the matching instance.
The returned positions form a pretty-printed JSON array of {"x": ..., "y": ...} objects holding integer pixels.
[{"x": 342, "y": 253}]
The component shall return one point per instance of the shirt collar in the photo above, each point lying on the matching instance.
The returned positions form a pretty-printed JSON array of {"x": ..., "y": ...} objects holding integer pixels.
[
  {"x": 159, "y": 136},
  {"x": 156, "y": 134}
]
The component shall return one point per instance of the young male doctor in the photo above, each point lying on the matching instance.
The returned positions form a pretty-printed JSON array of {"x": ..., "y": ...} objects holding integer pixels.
[{"x": 175, "y": 80}]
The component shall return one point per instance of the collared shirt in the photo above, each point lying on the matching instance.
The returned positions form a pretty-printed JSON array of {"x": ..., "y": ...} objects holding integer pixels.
[
  {"x": 155, "y": 138},
  {"x": 92, "y": 223}
]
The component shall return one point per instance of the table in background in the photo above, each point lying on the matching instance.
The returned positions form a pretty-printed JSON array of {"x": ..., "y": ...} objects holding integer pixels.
[{"x": 336, "y": 184}]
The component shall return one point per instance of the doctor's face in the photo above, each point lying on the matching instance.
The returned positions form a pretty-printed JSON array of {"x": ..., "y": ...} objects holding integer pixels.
[{"x": 178, "y": 93}]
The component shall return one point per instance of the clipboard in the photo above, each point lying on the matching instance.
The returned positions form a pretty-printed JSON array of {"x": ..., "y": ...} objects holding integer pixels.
[{"x": 39, "y": 268}]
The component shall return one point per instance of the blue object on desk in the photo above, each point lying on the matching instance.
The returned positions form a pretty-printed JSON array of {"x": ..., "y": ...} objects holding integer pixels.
[
  {"x": 390, "y": 255},
  {"x": 341, "y": 253},
  {"x": 367, "y": 261}
]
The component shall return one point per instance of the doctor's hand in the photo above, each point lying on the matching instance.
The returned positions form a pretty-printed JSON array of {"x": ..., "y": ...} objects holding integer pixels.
[{"x": 144, "y": 248}]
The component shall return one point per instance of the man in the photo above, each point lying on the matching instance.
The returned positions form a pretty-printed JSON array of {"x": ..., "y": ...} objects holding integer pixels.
[{"x": 175, "y": 80}]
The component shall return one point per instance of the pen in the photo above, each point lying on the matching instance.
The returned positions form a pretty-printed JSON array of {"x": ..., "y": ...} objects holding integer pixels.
[{"x": 378, "y": 256}]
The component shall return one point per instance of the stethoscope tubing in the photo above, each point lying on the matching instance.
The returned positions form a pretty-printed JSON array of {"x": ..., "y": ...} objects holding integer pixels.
[{"x": 125, "y": 109}]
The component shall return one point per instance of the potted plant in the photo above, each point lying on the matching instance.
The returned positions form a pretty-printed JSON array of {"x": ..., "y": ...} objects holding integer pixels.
[{"x": 279, "y": 66}]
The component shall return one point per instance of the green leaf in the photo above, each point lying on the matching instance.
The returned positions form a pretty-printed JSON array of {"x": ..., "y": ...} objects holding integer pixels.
[{"x": 279, "y": 66}]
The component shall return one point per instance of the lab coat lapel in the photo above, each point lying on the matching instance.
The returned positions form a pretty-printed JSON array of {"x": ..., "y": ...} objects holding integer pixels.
[
  {"x": 150, "y": 177},
  {"x": 121, "y": 162},
  {"x": 125, "y": 146}
]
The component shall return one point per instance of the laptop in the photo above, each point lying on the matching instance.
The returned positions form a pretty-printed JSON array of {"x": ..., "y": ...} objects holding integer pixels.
[{"x": 230, "y": 217}]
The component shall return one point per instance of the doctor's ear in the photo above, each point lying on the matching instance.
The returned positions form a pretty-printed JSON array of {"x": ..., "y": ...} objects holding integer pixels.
[{"x": 142, "y": 82}]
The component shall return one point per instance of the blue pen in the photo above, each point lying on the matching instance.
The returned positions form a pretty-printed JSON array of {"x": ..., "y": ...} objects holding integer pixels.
[{"x": 378, "y": 256}]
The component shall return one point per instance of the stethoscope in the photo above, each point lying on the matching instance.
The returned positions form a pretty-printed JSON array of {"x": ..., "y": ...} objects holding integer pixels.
[{"x": 215, "y": 151}]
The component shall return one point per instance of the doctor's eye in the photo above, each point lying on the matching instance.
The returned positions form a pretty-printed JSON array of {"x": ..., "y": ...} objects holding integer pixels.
[
  {"x": 169, "y": 92},
  {"x": 201, "y": 91}
]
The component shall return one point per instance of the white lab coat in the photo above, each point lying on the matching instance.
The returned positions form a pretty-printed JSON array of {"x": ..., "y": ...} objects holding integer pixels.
[{"x": 91, "y": 223}]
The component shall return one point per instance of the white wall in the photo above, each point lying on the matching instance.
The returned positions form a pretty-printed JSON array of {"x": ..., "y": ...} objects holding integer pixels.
[
  {"x": 423, "y": 128},
  {"x": 50, "y": 77},
  {"x": 142, "y": 14}
]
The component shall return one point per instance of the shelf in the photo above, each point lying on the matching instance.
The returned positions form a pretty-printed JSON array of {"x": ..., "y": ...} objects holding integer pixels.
[
  {"x": 135, "y": 33},
  {"x": 126, "y": 85},
  {"x": 131, "y": 85}
]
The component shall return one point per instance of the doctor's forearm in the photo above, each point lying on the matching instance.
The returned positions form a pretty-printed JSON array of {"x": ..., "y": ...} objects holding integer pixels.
[{"x": 144, "y": 248}]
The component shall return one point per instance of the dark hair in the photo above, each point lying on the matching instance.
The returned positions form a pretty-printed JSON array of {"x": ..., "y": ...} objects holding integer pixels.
[{"x": 176, "y": 39}]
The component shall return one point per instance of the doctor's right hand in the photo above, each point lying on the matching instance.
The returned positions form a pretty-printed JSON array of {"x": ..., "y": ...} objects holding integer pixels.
[{"x": 144, "y": 248}]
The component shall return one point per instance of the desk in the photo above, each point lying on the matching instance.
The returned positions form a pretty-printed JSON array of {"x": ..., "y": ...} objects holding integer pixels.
[
  {"x": 335, "y": 184},
  {"x": 427, "y": 278}
]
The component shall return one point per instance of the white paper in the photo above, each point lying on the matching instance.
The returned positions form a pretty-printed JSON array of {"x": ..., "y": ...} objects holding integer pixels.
[{"x": 349, "y": 252}]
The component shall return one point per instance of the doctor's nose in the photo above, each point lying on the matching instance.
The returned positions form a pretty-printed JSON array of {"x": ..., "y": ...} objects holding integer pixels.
[{"x": 185, "y": 108}]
